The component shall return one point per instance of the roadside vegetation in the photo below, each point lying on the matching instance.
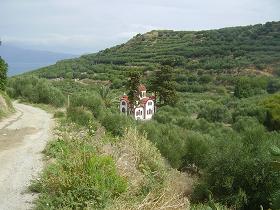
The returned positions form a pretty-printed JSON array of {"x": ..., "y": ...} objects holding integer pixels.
[
  {"x": 209, "y": 144},
  {"x": 6, "y": 106}
]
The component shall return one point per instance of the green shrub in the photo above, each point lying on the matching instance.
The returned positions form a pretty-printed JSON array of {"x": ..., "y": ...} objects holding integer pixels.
[
  {"x": 246, "y": 86},
  {"x": 272, "y": 105},
  {"x": 243, "y": 122},
  {"x": 116, "y": 123},
  {"x": 238, "y": 173},
  {"x": 91, "y": 100},
  {"x": 79, "y": 115},
  {"x": 214, "y": 112},
  {"x": 251, "y": 109},
  {"x": 35, "y": 90},
  {"x": 197, "y": 149}
]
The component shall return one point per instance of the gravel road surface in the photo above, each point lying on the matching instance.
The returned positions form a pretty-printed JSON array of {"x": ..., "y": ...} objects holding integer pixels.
[{"x": 23, "y": 137}]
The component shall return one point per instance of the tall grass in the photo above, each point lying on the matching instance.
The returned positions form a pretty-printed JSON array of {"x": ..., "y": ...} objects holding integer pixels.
[{"x": 79, "y": 178}]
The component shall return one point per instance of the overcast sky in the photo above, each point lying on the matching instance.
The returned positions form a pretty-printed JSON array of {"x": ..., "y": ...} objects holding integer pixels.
[{"x": 82, "y": 26}]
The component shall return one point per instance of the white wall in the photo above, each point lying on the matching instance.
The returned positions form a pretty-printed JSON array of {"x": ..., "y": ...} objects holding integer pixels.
[
  {"x": 138, "y": 110},
  {"x": 149, "y": 107},
  {"x": 123, "y": 106}
]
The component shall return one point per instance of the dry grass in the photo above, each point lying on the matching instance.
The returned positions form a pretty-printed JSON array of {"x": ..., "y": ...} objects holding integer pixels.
[
  {"x": 142, "y": 164},
  {"x": 152, "y": 183}
]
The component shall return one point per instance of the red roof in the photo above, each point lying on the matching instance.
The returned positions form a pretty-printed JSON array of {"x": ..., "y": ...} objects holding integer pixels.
[
  {"x": 144, "y": 100},
  {"x": 125, "y": 97},
  {"x": 141, "y": 87}
]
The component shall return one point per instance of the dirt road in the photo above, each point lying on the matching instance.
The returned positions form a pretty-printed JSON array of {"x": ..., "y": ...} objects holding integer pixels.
[{"x": 23, "y": 136}]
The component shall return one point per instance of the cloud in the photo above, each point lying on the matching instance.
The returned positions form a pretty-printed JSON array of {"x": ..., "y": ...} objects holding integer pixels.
[{"x": 89, "y": 25}]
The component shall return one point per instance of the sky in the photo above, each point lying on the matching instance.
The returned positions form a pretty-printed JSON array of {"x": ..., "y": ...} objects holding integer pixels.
[{"x": 87, "y": 26}]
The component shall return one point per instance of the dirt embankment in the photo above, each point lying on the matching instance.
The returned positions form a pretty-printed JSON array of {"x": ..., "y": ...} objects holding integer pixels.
[{"x": 6, "y": 106}]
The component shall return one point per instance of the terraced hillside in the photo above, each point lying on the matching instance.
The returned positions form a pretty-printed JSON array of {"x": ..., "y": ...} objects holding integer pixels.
[
  {"x": 215, "y": 51},
  {"x": 220, "y": 122}
]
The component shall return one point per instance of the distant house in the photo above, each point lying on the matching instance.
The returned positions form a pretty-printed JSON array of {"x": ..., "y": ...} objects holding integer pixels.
[{"x": 143, "y": 108}]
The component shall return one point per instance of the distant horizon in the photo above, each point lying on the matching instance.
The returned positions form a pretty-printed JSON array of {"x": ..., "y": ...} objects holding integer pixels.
[
  {"x": 88, "y": 26},
  {"x": 26, "y": 47}
]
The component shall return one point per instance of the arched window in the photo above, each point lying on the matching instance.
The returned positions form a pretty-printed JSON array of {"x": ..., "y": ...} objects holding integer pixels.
[
  {"x": 123, "y": 110},
  {"x": 138, "y": 113},
  {"x": 123, "y": 103}
]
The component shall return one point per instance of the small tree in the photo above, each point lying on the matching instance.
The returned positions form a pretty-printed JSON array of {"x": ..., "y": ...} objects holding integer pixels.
[{"x": 3, "y": 74}]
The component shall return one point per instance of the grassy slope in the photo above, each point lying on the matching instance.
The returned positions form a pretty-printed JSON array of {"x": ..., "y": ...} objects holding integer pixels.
[{"x": 89, "y": 169}]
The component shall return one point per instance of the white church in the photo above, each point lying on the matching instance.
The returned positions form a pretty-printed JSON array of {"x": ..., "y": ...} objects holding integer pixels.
[{"x": 144, "y": 107}]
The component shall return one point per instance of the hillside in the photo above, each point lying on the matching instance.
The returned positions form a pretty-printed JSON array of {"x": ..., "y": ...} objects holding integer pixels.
[
  {"x": 227, "y": 50},
  {"x": 21, "y": 60},
  {"x": 219, "y": 125}
]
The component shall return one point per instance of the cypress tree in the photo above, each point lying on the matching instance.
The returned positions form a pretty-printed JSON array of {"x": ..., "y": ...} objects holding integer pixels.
[{"x": 132, "y": 86}]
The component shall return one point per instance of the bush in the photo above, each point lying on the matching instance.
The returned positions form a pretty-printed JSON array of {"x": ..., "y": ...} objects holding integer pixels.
[
  {"x": 250, "y": 109},
  {"x": 238, "y": 172},
  {"x": 35, "y": 90},
  {"x": 272, "y": 105},
  {"x": 91, "y": 100},
  {"x": 214, "y": 112},
  {"x": 243, "y": 122},
  {"x": 246, "y": 86},
  {"x": 116, "y": 123},
  {"x": 197, "y": 149},
  {"x": 79, "y": 115}
]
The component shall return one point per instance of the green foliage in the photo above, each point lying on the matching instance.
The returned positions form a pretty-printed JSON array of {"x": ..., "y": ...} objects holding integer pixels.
[
  {"x": 79, "y": 115},
  {"x": 79, "y": 178},
  {"x": 242, "y": 123},
  {"x": 275, "y": 152},
  {"x": 90, "y": 100},
  {"x": 132, "y": 86},
  {"x": 208, "y": 207},
  {"x": 59, "y": 114},
  {"x": 243, "y": 178},
  {"x": 272, "y": 104},
  {"x": 250, "y": 108},
  {"x": 3, "y": 74},
  {"x": 273, "y": 86},
  {"x": 163, "y": 86},
  {"x": 214, "y": 112},
  {"x": 116, "y": 123},
  {"x": 35, "y": 90},
  {"x": 246, "y": 86}
]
